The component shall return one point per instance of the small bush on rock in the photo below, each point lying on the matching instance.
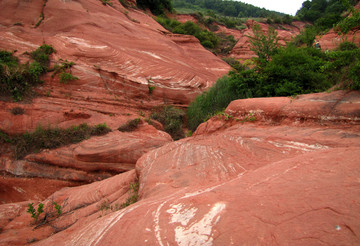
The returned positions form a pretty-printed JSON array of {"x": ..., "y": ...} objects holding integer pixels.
[
  {"x": 172, "y": 119},
  {"x": 130, "y": 126},
  {"x": 54, "y": 138}
]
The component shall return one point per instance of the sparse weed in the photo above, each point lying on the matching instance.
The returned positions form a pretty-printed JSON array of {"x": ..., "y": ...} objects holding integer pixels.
[
  {"x": 151, "y": 89},
  {"x": 35, "y": 213},
  {"x": 134, "y": 188}
]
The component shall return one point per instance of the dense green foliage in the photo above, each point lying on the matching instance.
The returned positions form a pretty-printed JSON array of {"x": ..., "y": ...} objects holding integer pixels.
[
  {"x": 157, "y": 7},
  {"x": 325, "y": 14},
  {"x": 206, "y": 38},
  {"x": 211, "y": 101},
  {"x": 53, "y": 138},
  {"x": 264, "y": 46},
  {"x": 227, "y": 8},
  {"x": 171, "y": 118},
  {"x": 17, "y": 78},
  {"x": 288, "y": 71},
  {"x": 349, "y": 23},
  {"x": 343, "y": 66},
  {"x": 218, "y": 43}
]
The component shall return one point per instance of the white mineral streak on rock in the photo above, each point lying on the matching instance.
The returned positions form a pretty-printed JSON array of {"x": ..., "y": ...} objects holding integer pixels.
[
  {"x": 97, "y": 229},
  {"x": 157, "y": 225},
  {"x": 84, "y": 43},
  {"x": 182, "y": 215},
  {"x": 199, "y": 233},
  {"x": 16, "y": 39},
  {"x": 299, "y": 146},
  {"x": 199, "y": 192}
]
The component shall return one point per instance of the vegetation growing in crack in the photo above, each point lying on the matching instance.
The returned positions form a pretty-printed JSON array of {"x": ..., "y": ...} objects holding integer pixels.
[
  {"x": 106, "y": 2},
  {"x": 47, "y": 214},
  {"x": 172, "y": 119},
  {"x": 131, "y": 199},
  {"x": 50, "y": 138}
]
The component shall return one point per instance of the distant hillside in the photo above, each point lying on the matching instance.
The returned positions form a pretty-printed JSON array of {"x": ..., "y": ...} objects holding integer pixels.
[
  {"x": 324, "y": 13},
  {"x": 227, "y": 8}
]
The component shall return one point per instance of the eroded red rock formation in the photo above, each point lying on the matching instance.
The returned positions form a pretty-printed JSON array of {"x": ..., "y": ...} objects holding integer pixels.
[
  {"x": 275, "y": 171},
  {"x": 288, "y": 180},
  {"x": 119, "y": 54}
]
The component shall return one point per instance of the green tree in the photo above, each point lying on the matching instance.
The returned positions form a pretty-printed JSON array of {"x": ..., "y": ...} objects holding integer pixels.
[{"x": 264, "y": 46}]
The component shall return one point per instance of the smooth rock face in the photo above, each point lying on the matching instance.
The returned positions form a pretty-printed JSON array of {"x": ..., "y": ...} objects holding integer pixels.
[
  {"x": 118, "y": 52},
  {"x": 258, "y": 182}
]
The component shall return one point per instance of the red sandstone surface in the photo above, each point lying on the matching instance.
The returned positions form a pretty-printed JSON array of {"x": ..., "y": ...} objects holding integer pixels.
[
  {"x": 277, "y": 171},
  {"x": 118, "y": 53},
  {"x": 288, "y": 180}
]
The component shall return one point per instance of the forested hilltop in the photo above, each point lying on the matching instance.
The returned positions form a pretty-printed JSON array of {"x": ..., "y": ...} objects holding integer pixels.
[{"x": 227, "y": 8}]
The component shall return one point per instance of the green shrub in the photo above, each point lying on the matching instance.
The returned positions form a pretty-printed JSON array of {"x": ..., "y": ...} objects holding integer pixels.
[
  {"x": 48, "y": 211},
  {"x": 4, "y": 138},
  {"x": 130, "y": 126},
  {"x": 66, "y": 77},
  {"x": 99, "y": 130},
  {"x": 58, "y": 208},
  {"x": 291, "y": 71},
  {"x": 17, "y": 111},
  {"x": 41, "y": 55},
  {"x": 264, "y": 46},
  {"x": 219, "y": 43},
  {"x": 349, "y": 23},
  {"x": 8, "y": 59},
  {"x": 343, "y": 67},
  {"x": 54, "y": 138},
  {"x": 210, "y": 102},
  {"x": 306, "y": 36},
  {"x": 346, "y": 45},
  {"x": 134, "y": 189},
  {"x": 294, "y": 71},
  {"x": 151, "y": 89},
  {"x": 235, "y": 64},
  {"x": 106, "y": 2},
  {"x": 172, "y": 119},
  {"x": 157, "y": 7},
  {"x": 16, "y": 78},
  {"x": 35, "y": 213},
  {"x": 207, "y": 44}
]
